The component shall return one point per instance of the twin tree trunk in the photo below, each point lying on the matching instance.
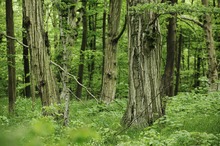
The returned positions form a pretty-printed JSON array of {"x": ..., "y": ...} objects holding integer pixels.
[
  {"x": 144, "y": 105},
  {"x": 110, "y": 54},
  {"x": 40, "y": 61},
  {"x": 10, "y": 56}
]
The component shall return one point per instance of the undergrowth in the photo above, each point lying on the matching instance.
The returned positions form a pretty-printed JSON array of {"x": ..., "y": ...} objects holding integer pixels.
[{"x": 191, "y": 119}]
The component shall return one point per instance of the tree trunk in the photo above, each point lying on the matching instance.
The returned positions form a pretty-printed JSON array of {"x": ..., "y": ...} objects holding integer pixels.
[
  {"x": 27, "y": 89},
  {"x": 178, "y": 63},
  {"x": 168, "y": 77},
  {"x": 40, "y": 61},
  {"x": 10, "y": 56},
  {"x": 212, "y": 62},
  {"x": 103, "y": 40},
  {"x": 92, "y": 43},
  {"x": 144, "y": 41},
  {"x": 110, "y": 61},
  {"x": 83, "y": 47}
]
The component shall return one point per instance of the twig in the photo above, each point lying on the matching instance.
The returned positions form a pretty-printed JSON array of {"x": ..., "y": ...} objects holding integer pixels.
[
  {"x": 13, "y": 38},
  {"x": 75, "y": 80}
]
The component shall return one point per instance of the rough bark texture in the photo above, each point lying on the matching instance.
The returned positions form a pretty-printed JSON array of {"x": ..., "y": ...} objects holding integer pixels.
[
  {"x": 110, "y": 59},
  {"x": 212, "y": 62},
  {"x": 27, "y": 89},
  {"x": 10, "y": 56},
  {"x": 40, "y": 61},
  {"x": 144, "y": 105}
]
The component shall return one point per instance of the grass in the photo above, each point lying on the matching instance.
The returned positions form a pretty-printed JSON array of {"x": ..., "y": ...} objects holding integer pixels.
[{"x": 192, "y": 119}]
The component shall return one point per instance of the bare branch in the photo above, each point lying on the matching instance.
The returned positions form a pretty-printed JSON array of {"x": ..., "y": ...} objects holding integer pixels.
[
  {"x": 192, "y": 20},
  {"x": 13, "y": 38},
  {"x": 75, "y": 80}
]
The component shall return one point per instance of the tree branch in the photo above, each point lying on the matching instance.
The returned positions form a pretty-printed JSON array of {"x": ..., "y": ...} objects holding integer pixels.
[
  {"x": 192, "y": 20},
  {"x": 122, "y": 31},
  {"x": 13, "y": 38},
  {"x": 57, "y": 65}
]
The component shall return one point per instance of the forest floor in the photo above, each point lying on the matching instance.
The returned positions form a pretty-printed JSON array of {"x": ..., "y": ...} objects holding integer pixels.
[{"x": 191, "y": 119}]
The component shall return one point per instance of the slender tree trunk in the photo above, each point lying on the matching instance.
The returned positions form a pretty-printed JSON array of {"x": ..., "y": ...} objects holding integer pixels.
[
  {"x": 83, "y": 47},
  {"x": 92, "y": 43},
  {"x": 27, "y": 89},
  {"x": 198, "y": 68},
  {"x": 40, "y": 61},
  {"x": 178, "y": 63},
  {"x": 110, "y": 62},
  {"x": 10, "y": 56},
  {"x": 212, "y": 62},
  {"x": 103, "y": 40},
  {"x": 168, "y": 77},
  {"x": 144, "y": 41},
  {"x": 67, "y": 21}
]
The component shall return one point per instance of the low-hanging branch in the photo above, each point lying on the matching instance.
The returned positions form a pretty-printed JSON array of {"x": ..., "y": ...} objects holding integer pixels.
[
  {"x": 13, "y": 38},
  {"x": 57, "y": 65},
  {"x": 192, "y": 20}
]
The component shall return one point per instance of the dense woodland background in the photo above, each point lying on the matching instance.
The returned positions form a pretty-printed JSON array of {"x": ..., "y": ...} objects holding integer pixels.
[{"x": 109, "y": 72}]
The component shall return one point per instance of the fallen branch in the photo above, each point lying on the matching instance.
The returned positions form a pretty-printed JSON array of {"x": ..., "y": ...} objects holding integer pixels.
[
  {"x": 13, "y": 38},
  {"x": 75, "y": 80}
]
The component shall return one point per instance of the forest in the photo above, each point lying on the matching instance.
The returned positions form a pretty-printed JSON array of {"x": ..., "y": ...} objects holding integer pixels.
[{"x": 109, "y": 72}]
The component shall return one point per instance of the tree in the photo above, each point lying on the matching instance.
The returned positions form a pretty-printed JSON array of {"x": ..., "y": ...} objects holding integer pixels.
[
  {"x": 144, "y": 103},
  {"x": 92, "y": 42},
  {"x": 168, "y": 76},
  {"x": 110, "y": 54},
  {"x": 27, "y": 89},
  {"x": 40, "y": 61},
  {"x": 212, "y": 62},
  {"x": 10, "y": 56},
  {"x": 82, "y": 49}
]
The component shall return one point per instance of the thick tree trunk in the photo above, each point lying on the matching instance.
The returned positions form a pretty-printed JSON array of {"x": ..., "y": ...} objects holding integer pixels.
[
  {"x": 144, "y": 105},
  {"x": 10, "y": 56},
  {"x": 212, "y": 62},
  {"x": 83, "y": 48},
  {"x": 40, "y": 61},
  {"x": 27, "y": 89},
  {"x": 110, "y": 61}
]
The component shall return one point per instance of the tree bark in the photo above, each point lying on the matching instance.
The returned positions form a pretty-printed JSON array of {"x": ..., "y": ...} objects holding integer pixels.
[
  {"x": 178, "y": 63},
  {"x": 144, "y": 41},
  {"x": 92, "y": 43},
  {"x": 83, "y": 48},
  {"x": 10, "y": 56},
  {"x": 212, "y": 62},
  {"x": 40, "y": 61},
  {"x": 168, "y": 76},
  {"x": 103, "y": 40},
  {"x": 27, "y": 89},
  {"x": 110, "y": 58}
]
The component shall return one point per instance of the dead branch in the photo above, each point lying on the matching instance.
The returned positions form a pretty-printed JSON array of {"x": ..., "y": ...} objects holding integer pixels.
[
  {"x": 57, "y": 65},
  {"x": 13, "y": 38}
]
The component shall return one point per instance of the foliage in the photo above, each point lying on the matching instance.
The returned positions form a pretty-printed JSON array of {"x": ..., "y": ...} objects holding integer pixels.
[{"x": 192, "y": 119}]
